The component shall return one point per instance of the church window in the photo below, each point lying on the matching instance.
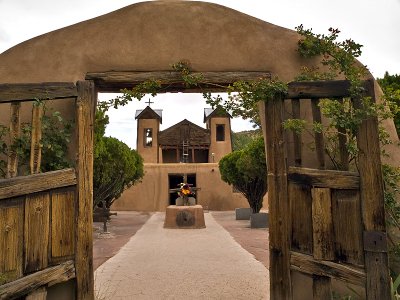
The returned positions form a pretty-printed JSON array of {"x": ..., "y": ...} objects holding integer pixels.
[
  {"x": 148, "y": 137},
  {"x": 220, "y": 132}
]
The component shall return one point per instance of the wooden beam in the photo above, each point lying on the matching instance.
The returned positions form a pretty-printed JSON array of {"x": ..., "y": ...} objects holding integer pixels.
[
  {"x": 297, "y": 143},
  {"x": 372, "y": 202},
  {"x": 307, "y": 264},
  {"x": 344, "y": 180},
  {"x": 278, "y": 200},
  {"x": 24, "y": 185},
  {"x": 15, "y": 133},
  {"x": 29, "y": 283},
  {"x": 36, "y": 136},
  {"x": 318, "y": 136},
  {"x": 170, "y": 80},
  {"x": 39, "y": 294},
  {"x": 32, "y": 91},
  {"x": 318, "y": 89},
  {"x": 84, "y": 207}
]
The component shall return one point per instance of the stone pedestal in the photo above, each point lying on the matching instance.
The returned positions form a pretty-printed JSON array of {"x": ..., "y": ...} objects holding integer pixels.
[
  {"x": 185, "y": 217},
  {"x": 243, "y": 213}
]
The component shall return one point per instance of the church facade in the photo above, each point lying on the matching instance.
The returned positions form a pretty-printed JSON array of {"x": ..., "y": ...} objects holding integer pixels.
[{"x": 182, "y": 152}]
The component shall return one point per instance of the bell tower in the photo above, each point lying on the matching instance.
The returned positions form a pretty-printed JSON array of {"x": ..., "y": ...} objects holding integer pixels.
[
  {"x": 218, "y": 121},
  {"x": 148, "y": 127}
]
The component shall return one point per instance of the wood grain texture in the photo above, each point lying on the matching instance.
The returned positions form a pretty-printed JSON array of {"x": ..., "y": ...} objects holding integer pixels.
[
  {"x": 278, "y": 201},
  {"x": 323, "y": 235},
  {"x": 84, "y": 208},
  {"x": 38, "y": 294},
  {"x": 15, "y": 132},
  {"x": 325, "y": 178},
  {"x": 11, "y": 238},
  {"x": 300, "y": 205},
  {"x": 36, "y": 183},
  {"x": 36, "y": 136},
  {"x": 36, "y": 232},
  {"x": 49, "y": 276},
  {"x": 318, "y": 89},
  {"x": 372, "y": 201},
  {"x": 307, "y": 264},
  {"x": 343, "y": 153},
  {"x": 318, "y": 136},
  {"x": 31, "y": 91},
  {"x": 170, "y": 80},
  {"x": 297, "y": 144},
  {"x": 346, "y": 210},
  {"x": 322, "y": 288},
  {"x": 62, "y": 223}
]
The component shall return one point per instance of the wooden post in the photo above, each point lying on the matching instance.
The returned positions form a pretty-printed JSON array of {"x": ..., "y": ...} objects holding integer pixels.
[
  {"x": 36, "y": 136},
  {"x": 318, "y": 136},
  {"x": 372, "y": 206},
  {"x": 84, "y": 207},
  {"x": 297, "y": 145},
  {"x": 279, "y": 208},
  {"x": 15, "y": 132}
]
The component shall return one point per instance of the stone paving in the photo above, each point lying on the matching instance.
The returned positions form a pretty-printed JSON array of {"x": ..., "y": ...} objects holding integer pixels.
[{"x": 160, "y": 263}]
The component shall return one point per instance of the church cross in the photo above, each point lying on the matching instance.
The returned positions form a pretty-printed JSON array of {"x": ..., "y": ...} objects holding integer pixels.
[{"x": 149, "y": 102}]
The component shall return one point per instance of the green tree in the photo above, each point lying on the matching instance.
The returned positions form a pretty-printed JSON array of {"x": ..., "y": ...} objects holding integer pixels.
[
  {"x": 241, "y": 139},
  {"x": 116, "y": 166},
  {"x": 246, "y": 170},
  {"x": 390, "y": 85}
]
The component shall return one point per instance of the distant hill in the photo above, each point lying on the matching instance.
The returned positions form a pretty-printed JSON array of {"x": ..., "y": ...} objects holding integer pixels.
[{"x": 242, "y": 138}]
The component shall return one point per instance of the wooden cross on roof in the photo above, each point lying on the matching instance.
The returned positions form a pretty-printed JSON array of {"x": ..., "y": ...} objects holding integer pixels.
[{"x": 149, "y": 102}]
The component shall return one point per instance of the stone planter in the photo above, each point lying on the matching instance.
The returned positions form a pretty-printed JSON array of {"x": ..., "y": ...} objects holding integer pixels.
[
  {"x": 259, "y": 220},
  {"x": 243, "y": 213}
]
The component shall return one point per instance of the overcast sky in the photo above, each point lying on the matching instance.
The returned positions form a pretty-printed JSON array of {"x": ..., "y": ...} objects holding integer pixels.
[{"x": 372, "y": 23}]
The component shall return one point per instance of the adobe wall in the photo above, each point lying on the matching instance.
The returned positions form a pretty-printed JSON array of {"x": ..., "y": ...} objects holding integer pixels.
[
  {"x": 152, "y": 194},
  {"x": 220, "y": 148}
]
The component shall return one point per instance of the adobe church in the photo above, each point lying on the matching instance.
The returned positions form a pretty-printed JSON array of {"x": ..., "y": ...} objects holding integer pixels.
[{"x": 182, "y": 151}]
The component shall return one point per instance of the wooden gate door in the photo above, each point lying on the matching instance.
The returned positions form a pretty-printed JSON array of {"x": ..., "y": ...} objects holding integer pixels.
[
  {"x": 326, "y": 226},
  {"x": 46, "y": 218}
]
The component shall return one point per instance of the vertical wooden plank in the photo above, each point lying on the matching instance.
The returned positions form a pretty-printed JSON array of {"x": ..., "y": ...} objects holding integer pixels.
[
  {"x": 38, "y": 294},
  {"x": 343, "y": 152},
  {"x": 346, "y": 211},
  {"x": 11, "y": 239},
  {"x": 296, "y": 136},
  {"x": 62, "y": 223},
  {"x": 322, "y": 224},
  {"x": 318, "y": 136},
  {"x": 300, "y": 203},
  {"x": 15, "y": 132},
  {"x": 84, "y": 207},
  {"x": 36, "y": 146},
  {"x": 372, "y": 202},
  {"x": 279, "y": 225},
  {"x": 322, "y": 288},
  {"x": 36, "y": 232},
  {"x": 193, "y": 160}
]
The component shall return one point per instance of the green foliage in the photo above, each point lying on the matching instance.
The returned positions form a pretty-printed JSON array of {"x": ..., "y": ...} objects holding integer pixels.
[
  {"x": 314, "y": 74},
  {"x": 116, "y": 166},
  {"x": 246, "y": 170},
  {"x": 241, "y": 139},
  {"x": 390, "y": 85}
]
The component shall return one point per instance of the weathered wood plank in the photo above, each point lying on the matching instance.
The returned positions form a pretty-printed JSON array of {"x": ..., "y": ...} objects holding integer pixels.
[
  {"x": 343, "y": 153},
  {"x": 15, "y": 132},
  {"x": 318, "y": 89},
  {"x": 84, "y": 209},
  {"x": 62, "y": 223},
  {"x": 279, "y": 206},
  {"x": 36, "y": 136},
  {"x": 115, "y": 80},
  {"x": 300, "y": 205},
  {"x": 297, "y": 144},
  {"x": 36, "y": 232},
  {"x": 322, "y": 288},
  {"x": 346, "y": 210},
  {"x": 318, "y": 136},
  {"x": 372, "y": 202},
  {"x": 39, "y": 294},
  {"x": 323, "y": 234},
  {"x": 11, "y": 239},
  {"x": 27, "y": 284},
  {"x": 36, "y": 183},
  {"x": 31, "y": 91},
  {"x": 325, "y": 178},
  {"x": 307, "y": 264}
]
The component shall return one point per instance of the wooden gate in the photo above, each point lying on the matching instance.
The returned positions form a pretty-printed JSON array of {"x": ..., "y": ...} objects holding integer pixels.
[
  {"x": 46, "y": 218},
  {"x": 327, "y": 225}
]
